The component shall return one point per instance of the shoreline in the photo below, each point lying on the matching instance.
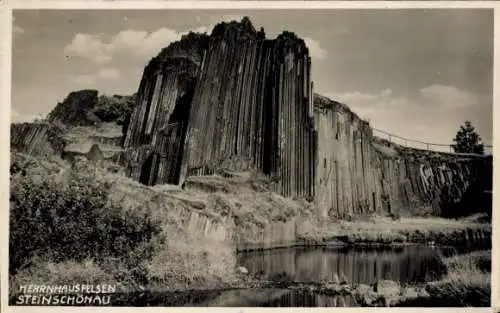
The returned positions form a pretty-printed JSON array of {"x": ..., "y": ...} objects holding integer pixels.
[{"x": 373, "y": 235}]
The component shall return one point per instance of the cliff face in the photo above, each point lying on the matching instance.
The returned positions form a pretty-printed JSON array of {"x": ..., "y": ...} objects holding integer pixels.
[
  {"x": 346, "y": 180},
  {"x": 237, "y": 101},
  {"x": 444, "y": 184},
  {"x": 87, "y": 107},
  {"x": 255, "y": 105},
  {"x": 249, "y": 98},
  {"x": 208, "y": 102},
  {"x": 41, "y": 139},
  {"x": 358, "y": 173},
  {"x": 154, "y": 134},
  {"x": 76, "y": 109}
]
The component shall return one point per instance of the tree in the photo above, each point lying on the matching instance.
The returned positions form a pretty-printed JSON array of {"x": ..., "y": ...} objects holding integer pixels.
[{"x": 467, "y": 140}]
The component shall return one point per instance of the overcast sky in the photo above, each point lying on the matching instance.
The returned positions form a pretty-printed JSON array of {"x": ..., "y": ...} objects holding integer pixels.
[{"x": 415, "y": 73}]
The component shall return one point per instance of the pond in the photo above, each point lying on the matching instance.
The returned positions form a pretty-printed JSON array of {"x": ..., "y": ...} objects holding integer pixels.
[{"x": 408, "y": 264}]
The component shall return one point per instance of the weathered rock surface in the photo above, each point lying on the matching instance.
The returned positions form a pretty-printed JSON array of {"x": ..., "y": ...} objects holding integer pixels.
[
  {"x": 41, "y": 139},
  {"x": 235, "y": 101},
  {"x": 87, "y": 107},
  {"x": 358, "y": 173},
  {"x": 234, "y": 93},
  {"x": 76, "y": 109}
]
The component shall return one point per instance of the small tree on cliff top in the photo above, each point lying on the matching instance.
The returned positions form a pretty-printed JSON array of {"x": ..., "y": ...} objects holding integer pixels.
[{"x": 467, "y": 140}]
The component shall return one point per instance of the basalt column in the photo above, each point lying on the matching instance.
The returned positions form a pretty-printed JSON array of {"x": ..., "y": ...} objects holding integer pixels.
[
  {"x": 155, "y": 131},
  {"x": 252, "y": 101},
  {"x": 346, "y": 179}
]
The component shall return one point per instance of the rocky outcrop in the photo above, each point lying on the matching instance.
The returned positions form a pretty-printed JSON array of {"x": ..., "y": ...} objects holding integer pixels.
[
  {"x": 232, "y": 94},
  {"x": 76, "y": 109},
  {"x": 235, "y": 94},
  {"x": 87, "y": 107},
  {"x": 38, "y": 139},
  {"x": 236, "y": 101},
  {"x": 358, "y": 173},
  {"x": 444, "y": 184},
  {"x": 256, "y": 106},
  {"x": 346, "y": 178}
]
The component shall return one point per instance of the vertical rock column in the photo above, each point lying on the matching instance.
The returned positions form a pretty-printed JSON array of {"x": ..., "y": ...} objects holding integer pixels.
[{"x": 252, "y": 101}]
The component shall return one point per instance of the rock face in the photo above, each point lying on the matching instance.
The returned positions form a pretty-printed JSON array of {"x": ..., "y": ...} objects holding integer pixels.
[
  {"x": 42, "y": 139},
  {"x": 76, "y": 109},
  {"x": 233, "y": 94},
  {"x": 87, "y": 107},
  {"x": 236, "y": 101},
  {"x": 358, "y": 173}
]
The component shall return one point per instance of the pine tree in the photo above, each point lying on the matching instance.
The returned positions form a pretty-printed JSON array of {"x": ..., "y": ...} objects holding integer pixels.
[{"x": 467, "y": 140}]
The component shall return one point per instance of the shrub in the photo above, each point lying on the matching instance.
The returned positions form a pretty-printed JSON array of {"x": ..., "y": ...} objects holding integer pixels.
[
  {"x": 114, "y": 109},
  {"x": 73, "y": 221}
]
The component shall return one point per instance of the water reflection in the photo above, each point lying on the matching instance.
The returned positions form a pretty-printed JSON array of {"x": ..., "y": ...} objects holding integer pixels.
[
  {"x": 356, "y": 265},
  {"x": 236, "y": 298}
]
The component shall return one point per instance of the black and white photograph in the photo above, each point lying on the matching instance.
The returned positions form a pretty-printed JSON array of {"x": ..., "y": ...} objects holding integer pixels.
[{"x": 251, "y": 157}]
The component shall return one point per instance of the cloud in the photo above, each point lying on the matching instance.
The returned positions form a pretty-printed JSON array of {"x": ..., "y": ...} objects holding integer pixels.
[
  {"x": 93, "y": 79},
  {"x": 368, "y": 105},
  {"x": 85, "y": 79},
  {"x": 428, "y": 115},
  {"x": 109, "y": 73},
  {"x": 16, "y": 117},
  {"x": 447, "y": 96},
  {"x": 315, "y": 49},
  {"x": 130, "y": 44},
  {"x": 141, "y": 45},
  {"x": 435, "y": 96}
]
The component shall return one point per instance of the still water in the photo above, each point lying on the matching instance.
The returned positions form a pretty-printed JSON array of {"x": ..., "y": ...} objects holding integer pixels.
[{"x": 411, "y": 264}]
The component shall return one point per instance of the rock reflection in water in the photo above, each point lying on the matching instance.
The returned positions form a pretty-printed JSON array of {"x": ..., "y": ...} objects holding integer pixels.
[
  {"x": 235, "y": 298},
  {"x": 408, "y": 264},
  {"x": 278, "y": 298}
]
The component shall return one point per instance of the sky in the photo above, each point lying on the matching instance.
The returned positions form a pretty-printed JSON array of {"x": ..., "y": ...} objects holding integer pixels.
[{"x": 416, "y": 73}]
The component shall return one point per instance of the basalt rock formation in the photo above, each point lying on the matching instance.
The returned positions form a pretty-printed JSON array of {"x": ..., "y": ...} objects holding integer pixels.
[
  {"x": 40, "y": 139},
  {"x": 235, "y": 95},
  {"x": 230, "y": 95},
  {"x": 87, "y": 107},
  {"x": 358, "y": 173},
  {"x": 234, "y": 100},
  {"x": 76, "y": 109}
]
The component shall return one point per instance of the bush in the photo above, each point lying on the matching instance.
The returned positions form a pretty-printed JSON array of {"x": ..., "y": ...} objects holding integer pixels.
[
  {"x": 74, "y": 221},
  {"x": 114, "y": 109}
]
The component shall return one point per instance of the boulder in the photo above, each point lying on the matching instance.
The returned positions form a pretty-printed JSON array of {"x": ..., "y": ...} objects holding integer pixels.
[
  {"x": 386, "y": 288},
  {"x": 242, "y": 270}
]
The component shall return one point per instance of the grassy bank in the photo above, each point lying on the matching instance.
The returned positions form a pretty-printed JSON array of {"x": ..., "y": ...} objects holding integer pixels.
[
  {"x": 66, "y": 228},
  {"x": 467, "y": 283},
  {"x": 383, "y": 230}
]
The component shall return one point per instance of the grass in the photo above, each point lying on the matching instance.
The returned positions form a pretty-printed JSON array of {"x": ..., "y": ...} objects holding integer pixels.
[
  {"x": 166, "y": 245},
  {"x": 384, "y": 230},
  {"x": 189, "y": 243},
  {"x": 467, "y": 283}
]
